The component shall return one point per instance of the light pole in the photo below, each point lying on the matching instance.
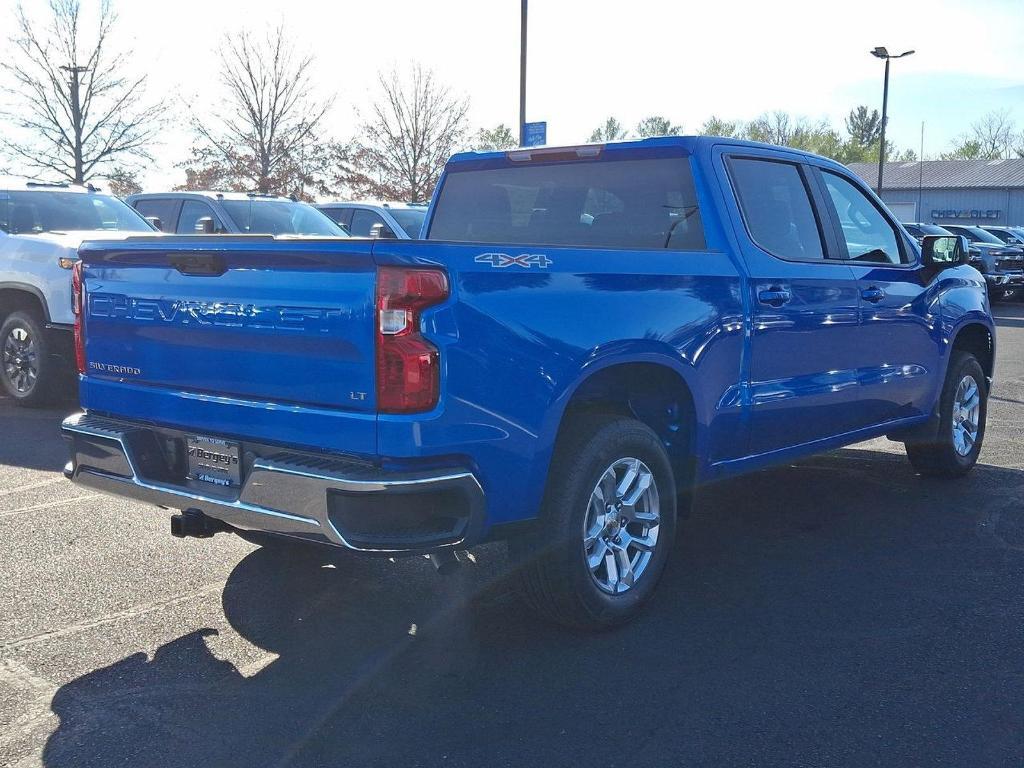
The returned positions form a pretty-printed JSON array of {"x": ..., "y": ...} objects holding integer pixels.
[
  {"x": 76, "y": 118},
  {"x": 881, "y": 53},
  {"x": 522, "y": 75}
]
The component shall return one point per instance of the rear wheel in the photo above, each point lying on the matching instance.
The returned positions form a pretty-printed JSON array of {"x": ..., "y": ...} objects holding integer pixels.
[
  {"x": 606, "y": 526},
  {"x": 962, "y": 413},
  {"x": 27, "y": 368}
]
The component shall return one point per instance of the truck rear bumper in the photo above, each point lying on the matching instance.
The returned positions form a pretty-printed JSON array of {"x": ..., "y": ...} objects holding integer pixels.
[{"x": 327, "y": 500}]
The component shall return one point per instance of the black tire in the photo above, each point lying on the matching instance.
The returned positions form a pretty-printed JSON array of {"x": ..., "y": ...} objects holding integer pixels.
[
  {"x": 30, "y": 381},
  {"x": 556, "y": 580},
  {"x": 941, "y": 458}
]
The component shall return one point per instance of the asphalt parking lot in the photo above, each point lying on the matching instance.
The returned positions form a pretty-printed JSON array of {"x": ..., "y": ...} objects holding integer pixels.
[{"x": 840, "y": 611}]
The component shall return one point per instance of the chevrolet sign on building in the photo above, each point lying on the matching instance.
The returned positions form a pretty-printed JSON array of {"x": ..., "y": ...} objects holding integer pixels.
[{"x": 952, "y": 191}]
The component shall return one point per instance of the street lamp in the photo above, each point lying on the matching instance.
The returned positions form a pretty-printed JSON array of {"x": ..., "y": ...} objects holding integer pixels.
[
  {"x": 522, "y": 74},
  {"x": 881, "y": 53}
]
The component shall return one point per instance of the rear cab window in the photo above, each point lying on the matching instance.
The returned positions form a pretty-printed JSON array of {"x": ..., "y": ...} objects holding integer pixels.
[
  {"x": 604, "y": 203},
  {"x": 164, "y": 209}
]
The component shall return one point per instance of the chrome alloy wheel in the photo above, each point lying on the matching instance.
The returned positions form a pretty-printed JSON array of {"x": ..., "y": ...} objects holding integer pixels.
[
  {"x": 20, "y": 360},
  {"x": 620, "y": 531},
  {"x": 966, "y": 415}
]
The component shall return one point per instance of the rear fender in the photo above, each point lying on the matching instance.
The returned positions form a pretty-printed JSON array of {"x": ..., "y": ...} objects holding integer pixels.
[{"x": 624, "y": 353}]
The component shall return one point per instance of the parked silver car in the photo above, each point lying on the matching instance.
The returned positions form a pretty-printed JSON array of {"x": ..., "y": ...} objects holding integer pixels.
[
  {"x": 191, "y": 213},
  {"x": 367, "y": 218}
]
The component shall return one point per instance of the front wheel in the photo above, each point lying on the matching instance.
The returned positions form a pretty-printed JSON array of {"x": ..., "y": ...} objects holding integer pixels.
[
  {"x": 27, "y": 368},
  {"x": 962, "y": 412},
  {"x": 606, "y": 526}
]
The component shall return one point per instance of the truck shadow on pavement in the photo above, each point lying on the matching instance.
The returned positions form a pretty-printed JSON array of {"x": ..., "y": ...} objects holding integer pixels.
[
  {"x": 836, "y": 611},
  {"x": 31, "y": 438}
]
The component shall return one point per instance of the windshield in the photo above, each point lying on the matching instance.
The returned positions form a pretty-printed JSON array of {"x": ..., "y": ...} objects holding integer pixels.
[
  {"x": 931, "y": 229},
  {"x": 33, "y": 212},
  {"x": 410, "y": 219},
  {"x": 279, "y": 217}
]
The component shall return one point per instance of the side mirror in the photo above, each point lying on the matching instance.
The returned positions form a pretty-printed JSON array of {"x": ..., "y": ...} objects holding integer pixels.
[
  {"x": 155, "y": 222},
  {"x": 204, "y": 224},
  {"x": 943, "y": 252},
  {"x": 381, "y": 231}
]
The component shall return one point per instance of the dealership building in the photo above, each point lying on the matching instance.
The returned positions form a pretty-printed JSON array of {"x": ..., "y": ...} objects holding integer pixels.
[{"x": 951, "y": 191}]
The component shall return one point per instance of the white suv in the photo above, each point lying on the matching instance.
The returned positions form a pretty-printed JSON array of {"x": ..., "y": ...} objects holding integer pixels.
[{"x": 41, "y": 228}]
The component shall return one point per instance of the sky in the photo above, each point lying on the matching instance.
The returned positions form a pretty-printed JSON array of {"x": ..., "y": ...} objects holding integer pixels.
[{"x": 589, "y": 60}]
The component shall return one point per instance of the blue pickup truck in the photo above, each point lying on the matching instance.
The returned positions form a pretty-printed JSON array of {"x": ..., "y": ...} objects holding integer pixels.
[{"x": 585, "y": 336}]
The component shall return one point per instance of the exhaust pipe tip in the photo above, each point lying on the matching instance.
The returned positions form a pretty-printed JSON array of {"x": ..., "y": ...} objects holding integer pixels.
[{"x": 446, "y": 562}]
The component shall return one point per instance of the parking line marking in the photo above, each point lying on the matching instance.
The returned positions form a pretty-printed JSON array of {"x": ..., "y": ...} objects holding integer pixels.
[
  {"x": 48, "y": 505},
  {"x": 110, "y": 618},
  {"x": 32, "y": 486}
]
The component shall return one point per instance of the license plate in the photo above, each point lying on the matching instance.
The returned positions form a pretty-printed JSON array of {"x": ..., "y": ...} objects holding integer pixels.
[{"x": 213, "y": 461}]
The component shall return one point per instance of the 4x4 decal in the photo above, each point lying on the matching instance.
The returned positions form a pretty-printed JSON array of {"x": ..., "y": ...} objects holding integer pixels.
[{"x": 502, "y": 260}]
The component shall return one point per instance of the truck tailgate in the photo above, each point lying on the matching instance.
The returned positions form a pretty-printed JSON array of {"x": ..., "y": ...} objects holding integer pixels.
[{"x": 284, "y": 323}]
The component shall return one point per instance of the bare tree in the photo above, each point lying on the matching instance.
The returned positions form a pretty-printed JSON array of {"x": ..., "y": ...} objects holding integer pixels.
[
  {"x": 269, "y": 120},
  {"x": 78, "y": 110},
  {"x": 996, "y": 134},
  {"x": 775, "y": 127},
  {"x": 412, "y": 131}
]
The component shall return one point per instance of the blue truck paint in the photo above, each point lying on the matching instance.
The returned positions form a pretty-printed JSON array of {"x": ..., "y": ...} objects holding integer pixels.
[{"x": 517, "y": 343}]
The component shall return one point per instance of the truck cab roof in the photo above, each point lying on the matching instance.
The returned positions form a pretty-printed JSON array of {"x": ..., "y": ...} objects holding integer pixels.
[
  {"x": 20, "y": 184},
  {"x": 207, "y": 195},
  {"x": 687, "y": 144}
]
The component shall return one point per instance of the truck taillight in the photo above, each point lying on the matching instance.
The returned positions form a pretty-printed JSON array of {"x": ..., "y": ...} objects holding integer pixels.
[
  {"x": 78, "y": 308},
  {"x": 408, "y": 366}
]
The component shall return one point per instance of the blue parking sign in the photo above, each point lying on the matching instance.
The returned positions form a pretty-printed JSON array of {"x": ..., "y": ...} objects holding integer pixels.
[{"x": 535, "y": 134}]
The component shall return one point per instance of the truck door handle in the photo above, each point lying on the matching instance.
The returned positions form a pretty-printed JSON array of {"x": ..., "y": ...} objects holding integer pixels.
[
  {"x": 774, "y": 296},
  {"x": 872, "y": 294},
  {"x": 199, "y": 265}
]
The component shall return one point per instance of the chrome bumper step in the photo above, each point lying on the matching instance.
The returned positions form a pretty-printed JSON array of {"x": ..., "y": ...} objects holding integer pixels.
[{"x": 283, "y": 493}]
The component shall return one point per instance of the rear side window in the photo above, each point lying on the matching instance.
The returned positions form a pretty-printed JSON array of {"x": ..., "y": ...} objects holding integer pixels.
[
  {"x": 193, "y": 215},
  {"x": 776, "y": 208},
  {"x": 340, "y": 216},
  {"x": 598, "y": 204},
  {"x": 363, "y": 221},
  {"x": 162, "y": 209}
]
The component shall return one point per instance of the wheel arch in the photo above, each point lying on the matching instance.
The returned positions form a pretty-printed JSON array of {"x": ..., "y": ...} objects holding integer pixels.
[
  {"x": 978, "y": 339},
  {"x": 20, "y": 296},
  {"x": 650, "y": 387}
]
